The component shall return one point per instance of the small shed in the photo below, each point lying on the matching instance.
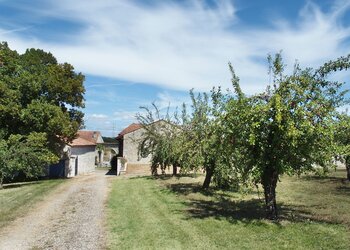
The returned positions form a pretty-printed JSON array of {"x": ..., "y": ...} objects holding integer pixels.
[
  {"x": 82, "y": 157},
  {"x": 78, "y": 157}
]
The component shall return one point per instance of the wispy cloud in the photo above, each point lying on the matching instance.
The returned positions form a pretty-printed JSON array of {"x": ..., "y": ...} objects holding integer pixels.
[
  {"x": 123, "y": 115},
  {"x": 103, "y": 85},
  {"x": 6, "y": 32},
  {"x": 188, "y": 45},
  {"x": 98, "y": 116},
  {"x": 166, "y": 100}
]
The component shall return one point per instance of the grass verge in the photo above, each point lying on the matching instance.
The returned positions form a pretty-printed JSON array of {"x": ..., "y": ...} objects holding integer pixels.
[
  {"x": 173, "y": 213},
  {"x": 103, "y": 168},
  {"x": 16, "y": 199}
]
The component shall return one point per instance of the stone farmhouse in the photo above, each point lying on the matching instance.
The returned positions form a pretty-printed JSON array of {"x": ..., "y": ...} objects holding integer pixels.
[
  {"x": 129, "y": 139},
  {"x": 128, "y": 142}
]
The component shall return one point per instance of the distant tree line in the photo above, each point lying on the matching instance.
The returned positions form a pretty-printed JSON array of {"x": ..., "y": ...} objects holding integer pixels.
[
  {"x": 237, "y": 139},
  {"x": 40, "y": 110}
]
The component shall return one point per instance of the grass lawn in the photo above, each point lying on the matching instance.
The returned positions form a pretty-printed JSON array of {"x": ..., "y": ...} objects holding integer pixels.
[
  {"x": 16, "y": 199},
  {"x": 102, "y": 168},
  {"x": 173, "y": 213}
]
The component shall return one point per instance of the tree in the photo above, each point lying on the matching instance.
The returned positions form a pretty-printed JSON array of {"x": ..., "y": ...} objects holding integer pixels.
[
  {"x": 159, "y": 139},
  {"x": 26, "y": 154},
  {"x": 38, "y": 96},
  {"x": 286, "y": 130},
  {"x": 206, "y": 132},
  {"x": 191, "y": 141},
  {"x": 343, "y": 141}
]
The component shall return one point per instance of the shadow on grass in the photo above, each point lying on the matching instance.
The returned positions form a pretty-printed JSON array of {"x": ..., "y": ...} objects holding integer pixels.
[
  {"x": 226, "y": 209},
  {"x": 222, "y": 206},
  {"x": 164, "y": 176},
  {"x": 334, "y": 176},
  {"x": 188, "y": 188},
  {"x": 21, "y": 184},
  {"x": 345, "y": 189},
  {"x": 332, "y": 179}
]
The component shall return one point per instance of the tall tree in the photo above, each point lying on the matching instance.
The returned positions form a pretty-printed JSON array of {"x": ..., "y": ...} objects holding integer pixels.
[
  {"x": 38, "y": 97},
  {"x": 38, "y": 94},
  {"x": 207, "y": 132},
  {"x": 286, "y": 130}
]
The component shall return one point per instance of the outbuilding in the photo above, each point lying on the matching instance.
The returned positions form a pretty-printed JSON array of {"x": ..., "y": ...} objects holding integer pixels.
[{"x": 79, "y": 156}]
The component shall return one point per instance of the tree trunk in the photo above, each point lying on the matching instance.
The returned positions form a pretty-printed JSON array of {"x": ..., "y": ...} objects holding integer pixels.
[
  {"x": 154, "y": 170},
  {"x": 163, "y": 168},
  {"x": 1, "y": 181},
  {"x": 269, "y": 182},
  {"x": 209, "y": 173},
  {"x": 174, "y": 170},
  {"x": 347, "y": 164}
]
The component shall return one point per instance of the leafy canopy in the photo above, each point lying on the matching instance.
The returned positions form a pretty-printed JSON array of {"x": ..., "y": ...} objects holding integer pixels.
[{"x": 40, "y": 109}]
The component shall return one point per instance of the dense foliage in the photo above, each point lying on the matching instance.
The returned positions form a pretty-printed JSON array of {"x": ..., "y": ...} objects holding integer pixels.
[
  {"x": 288, "y": 129},
  {"x": 342, "y": 137},
  {"x": 39, "y": 97}
]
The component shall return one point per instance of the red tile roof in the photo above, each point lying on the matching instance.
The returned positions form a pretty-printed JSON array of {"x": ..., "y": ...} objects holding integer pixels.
[
  {"x": 131, "y": 128},
  {"x": 81, "y": 142},
  {"x": 85, "y": 138},
  {"x": 91, "y": 136}
]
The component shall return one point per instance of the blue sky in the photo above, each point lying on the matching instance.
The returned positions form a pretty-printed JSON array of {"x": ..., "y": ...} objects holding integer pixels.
[{"x": 137, "y": 52}]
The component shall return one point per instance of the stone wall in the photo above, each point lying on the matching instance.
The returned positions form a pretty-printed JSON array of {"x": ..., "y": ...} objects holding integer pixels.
[
  {"x": 130, "y": 149},
  {"x": 138, "y": 169}
]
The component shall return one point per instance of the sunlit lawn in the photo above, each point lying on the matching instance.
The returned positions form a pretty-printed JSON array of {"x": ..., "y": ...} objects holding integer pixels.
[
  {"x": 17, "y": 199},
  {"x": 173, "y": 213}
]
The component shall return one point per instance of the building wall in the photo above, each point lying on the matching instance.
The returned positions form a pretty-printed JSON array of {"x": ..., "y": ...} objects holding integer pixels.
[
  {"x": 130, "y": 148},
  {"x": 86, "y": 159},
  {"x": 99, "y": 140},
  {"x": 70, "y": 167},
  {"x": 109, "y": 151}
]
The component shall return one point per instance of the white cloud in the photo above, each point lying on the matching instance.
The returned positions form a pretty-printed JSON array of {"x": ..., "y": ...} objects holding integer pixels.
[
  {"x": 185, "y": 46},
  {"x": 97, "y": 116}
]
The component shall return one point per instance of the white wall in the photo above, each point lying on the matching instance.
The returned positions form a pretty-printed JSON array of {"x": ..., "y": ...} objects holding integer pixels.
[{"x": 86, "y": 159}]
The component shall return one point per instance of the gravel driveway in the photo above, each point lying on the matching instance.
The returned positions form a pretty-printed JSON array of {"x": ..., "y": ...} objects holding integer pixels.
[{"x": 72, "y": 217}]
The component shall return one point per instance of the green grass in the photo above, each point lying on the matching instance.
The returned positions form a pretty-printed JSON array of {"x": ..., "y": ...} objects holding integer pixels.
[
  {"x": 17, "y": 199},
  {"x": 103, "y": 168},
  {"x": 173, "y": 213}
]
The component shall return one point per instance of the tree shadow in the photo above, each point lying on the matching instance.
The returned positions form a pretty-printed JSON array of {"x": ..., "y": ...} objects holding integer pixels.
[
  {"x": 338, "y": 175},
  {"x": 145, "y": 177},
  {"x": 340, "y": 185},
  {"x": 20, "y": 184},
  {"x": 188, "y": 188},
  {"x": 222, "y": 206},
  {"x": 344, "y": 189},
  {"x": 332, "y": 179},
  {"x": 164, "y": 176}
]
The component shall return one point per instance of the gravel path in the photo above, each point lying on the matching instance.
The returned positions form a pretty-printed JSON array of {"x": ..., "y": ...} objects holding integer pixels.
[{"x": 72, "y": 217}]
